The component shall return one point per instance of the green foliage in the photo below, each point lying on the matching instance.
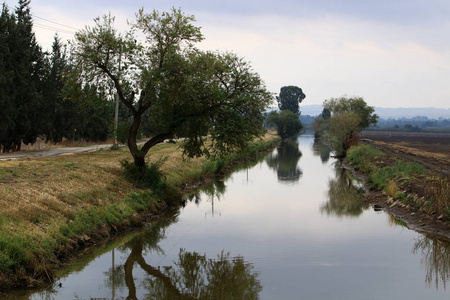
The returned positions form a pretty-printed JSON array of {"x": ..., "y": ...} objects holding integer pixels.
[
  {"x": 381, "y": 177},
  {"x": 343, "y": 126},
  {"x": 22, "y": 66},
  {"x": 362, "y": 157},
  {"x": 341, "y": 119},
  {"x": 169, "y": 87},
  {"x": 152, "y": 178},
  {"x": 321, "y": 127},
  {"x": 286, "y": 122},
  {"x": 16, "y": 253},
  {"x": 355, "y": 105},
  {"x": 289, "y": 99},
  {"x": 35, "y": 100}
]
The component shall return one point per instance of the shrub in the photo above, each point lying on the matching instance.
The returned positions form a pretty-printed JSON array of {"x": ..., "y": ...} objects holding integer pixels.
[
  {"x": 152, "y": 178},
  {"x": 362, "y": 157}
]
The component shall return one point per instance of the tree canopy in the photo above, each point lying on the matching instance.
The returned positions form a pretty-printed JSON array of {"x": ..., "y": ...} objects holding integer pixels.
[
  {"x": 341, "y": 119},
  {"x": 34, "y": 100},
  {"x": 355, "y": 105},
  {"x": 290, "y": 98},
  {"x": 286, "y": 122},
  {"x": 170, "y": 87}
]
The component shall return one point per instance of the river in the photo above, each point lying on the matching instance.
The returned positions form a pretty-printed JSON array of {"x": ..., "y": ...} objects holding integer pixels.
[{"x": 289, "y": 227}]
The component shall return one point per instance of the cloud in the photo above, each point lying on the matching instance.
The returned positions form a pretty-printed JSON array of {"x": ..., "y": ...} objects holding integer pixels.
[{"x": 392, "y": 53}]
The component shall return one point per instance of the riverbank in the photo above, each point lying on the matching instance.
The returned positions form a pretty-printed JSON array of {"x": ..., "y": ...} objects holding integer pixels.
[
  {"x": 409, "y": 182},
  {"x": 52, "y": 207}
]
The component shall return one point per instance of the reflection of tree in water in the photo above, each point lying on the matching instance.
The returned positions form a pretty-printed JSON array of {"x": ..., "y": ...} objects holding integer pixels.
[
  {"x": 322, "y": 149},
  {"x": 212, "y": 191},
  {"x": 344, "y": 196},
  {"x": 285, "y": 161},
  {"x": 435, "y": 259},
  {"x": 192, "y": 275}
]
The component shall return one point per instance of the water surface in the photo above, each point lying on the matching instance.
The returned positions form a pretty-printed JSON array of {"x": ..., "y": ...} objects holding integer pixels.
[{"x": 289, "y": 227}]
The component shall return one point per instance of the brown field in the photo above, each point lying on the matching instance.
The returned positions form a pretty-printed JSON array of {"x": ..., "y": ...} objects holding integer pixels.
[{"x": 432, "y": 150}]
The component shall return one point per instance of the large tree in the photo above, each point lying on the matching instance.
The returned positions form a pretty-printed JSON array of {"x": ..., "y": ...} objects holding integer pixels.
[
  {"x": 290, "y": 98},
  {"x": 174, "y": 88},
  {"x": 22, "y": 67},
  {"x": 7, "y": 24}
]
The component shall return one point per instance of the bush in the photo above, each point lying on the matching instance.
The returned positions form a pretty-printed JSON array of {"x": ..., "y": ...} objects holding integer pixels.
[
  {"x": 362, "y": 156},
  {"x": 152, "y": 178}
]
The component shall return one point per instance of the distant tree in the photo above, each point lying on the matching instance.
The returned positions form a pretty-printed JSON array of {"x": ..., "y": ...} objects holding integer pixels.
[
  {"x": 88, "y": 113},
  {"x": 357, "y": 105},
  {"x": 348, "y": 117},
  {"x": 321, "y": 126},
  {"x": 172, "y": 87},
  {"x": 343, "y": 126},
  {"x": 286, "y": 122},
  {"x": 326, "y": 113},
  {"x": 290, "y": 98}
]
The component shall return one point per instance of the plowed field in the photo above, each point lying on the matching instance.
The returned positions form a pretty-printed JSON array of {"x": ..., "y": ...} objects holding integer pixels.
[{"x": 432, "y": 150}]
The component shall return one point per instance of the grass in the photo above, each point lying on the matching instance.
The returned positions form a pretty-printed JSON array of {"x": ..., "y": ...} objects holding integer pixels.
[
  {"x": 48, "y": 203},
  {"x": 396, "y": 176}
]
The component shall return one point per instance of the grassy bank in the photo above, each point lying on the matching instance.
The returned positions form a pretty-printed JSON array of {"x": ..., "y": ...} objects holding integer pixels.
[
  {"x": 52, "y": 206},
  {"x": 404, "y": 181}
]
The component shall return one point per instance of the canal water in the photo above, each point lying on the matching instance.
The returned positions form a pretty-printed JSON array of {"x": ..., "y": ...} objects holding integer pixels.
[{"x": 289, "y": 227}]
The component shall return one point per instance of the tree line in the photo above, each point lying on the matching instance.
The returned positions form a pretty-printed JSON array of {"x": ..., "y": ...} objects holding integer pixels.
[
  {"x": 166, "y": 86},
  {"x": 35, "y": 97}
]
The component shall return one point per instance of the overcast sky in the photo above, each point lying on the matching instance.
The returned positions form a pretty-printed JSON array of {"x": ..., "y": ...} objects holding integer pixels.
[{"x": 393, "y": 53}]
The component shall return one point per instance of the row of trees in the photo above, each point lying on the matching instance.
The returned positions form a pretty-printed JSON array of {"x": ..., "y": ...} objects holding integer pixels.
[
  {"x": 34, "y": 98},
  {"x": 167, "y": 87}
]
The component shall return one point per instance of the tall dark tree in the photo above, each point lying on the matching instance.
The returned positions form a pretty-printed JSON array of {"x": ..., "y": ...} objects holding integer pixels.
[
  {"x": 24, "y": 63},
  {"x": 290, "y": 98},
  {"x": 7, "y": 25}
]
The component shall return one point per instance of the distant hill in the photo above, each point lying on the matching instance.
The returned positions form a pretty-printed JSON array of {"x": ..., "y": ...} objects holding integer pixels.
[
  {"x": 411, "y": 112},
  {"x": 386, "y": 113}
]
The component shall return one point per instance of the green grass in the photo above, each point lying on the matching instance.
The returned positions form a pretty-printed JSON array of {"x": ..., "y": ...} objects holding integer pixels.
[
  {"x": 391, "y": 173},
  {"x": 44, "y": 208},
  {"x": 400, "y": 171},
  {"x": 362, "y": 157}
]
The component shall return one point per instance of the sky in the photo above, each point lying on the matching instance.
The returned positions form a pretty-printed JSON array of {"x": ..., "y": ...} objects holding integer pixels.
[{"x": 393, "y": 53}]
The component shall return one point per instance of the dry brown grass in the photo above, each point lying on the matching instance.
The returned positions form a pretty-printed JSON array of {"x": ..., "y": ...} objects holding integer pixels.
[
  {"x": 46, "y": 190},
  {"x": 45, "y": 201}
]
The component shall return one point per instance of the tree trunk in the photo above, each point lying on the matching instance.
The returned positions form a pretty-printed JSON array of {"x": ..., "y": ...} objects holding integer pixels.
[
  {"x": 138, "y": 156},
  {"x": 139, "y": 162}
]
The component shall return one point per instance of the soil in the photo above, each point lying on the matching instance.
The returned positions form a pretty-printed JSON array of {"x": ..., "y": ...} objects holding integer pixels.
[{"x": 431, "y": 150}]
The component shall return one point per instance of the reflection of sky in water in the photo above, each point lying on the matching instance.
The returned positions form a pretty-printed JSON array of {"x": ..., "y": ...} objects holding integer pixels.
[{"x": 299, "y": 252}]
